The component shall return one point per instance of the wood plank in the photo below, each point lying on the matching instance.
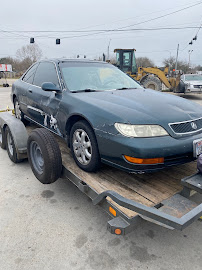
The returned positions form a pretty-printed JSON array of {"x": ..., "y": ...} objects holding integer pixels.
[
  {"x": 148, "y": 189},
  {"x": 101, "y": 182}
]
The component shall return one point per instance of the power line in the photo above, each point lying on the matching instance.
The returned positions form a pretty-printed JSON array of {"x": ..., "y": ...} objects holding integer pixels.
[
  {"x": 108, "y": 30},
  {"x": 95, "y": 32},
  {"x": 162, "y": 16}
]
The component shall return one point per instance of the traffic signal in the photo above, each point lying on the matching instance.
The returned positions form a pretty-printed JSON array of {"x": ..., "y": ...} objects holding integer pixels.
[{"x": 31, "y": 40}]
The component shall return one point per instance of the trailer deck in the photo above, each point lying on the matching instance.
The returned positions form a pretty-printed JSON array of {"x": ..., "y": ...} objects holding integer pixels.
[
  {"x": 148, "y": 189},
  {"x": 162, "y": 197}
]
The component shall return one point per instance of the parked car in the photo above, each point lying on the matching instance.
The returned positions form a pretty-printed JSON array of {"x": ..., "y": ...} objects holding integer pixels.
[
  {"x": 106, "y": 116},
  {"x": 192, "y": 83}
]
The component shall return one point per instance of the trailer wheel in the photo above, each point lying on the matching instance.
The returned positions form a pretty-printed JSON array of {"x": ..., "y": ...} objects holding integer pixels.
[
  {"x": 18, "y": 113},
  {"x": 152, "y": 82},
  {"x": 84, "y": 147},
  {"x": 2, "y": 138},
  {"x": 44, "y": 156},
  {"x": 10, "y": 146}
]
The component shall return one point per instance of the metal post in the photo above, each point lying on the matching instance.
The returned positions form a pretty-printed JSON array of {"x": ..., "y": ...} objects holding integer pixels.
[
  {"x": 108, "y": 49},
  {"x": 190, "y": 51},
  {"x": 177, "y": 57}
]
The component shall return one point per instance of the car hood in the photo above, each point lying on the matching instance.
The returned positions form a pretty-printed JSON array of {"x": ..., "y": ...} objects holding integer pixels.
[
  {"x": 141, "y": 106},
  {"x": 193, "y": 82}
]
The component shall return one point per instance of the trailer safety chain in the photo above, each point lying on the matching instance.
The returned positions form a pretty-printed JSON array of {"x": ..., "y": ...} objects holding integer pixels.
[{"x": 7, "y": 110}]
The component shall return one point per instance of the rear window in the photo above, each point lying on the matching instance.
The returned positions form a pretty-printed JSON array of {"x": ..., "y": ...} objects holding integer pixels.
[{"x": 29, "y": 76}]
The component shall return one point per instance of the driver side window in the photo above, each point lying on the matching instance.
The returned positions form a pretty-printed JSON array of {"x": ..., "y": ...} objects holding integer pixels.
[{"x": 46, "y": 72}]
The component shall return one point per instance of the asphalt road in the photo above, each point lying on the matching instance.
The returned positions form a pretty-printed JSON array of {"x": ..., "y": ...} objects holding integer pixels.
[{"x": 56, "y": 227}]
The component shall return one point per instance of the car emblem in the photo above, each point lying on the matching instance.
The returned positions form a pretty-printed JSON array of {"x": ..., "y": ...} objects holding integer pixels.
[{"x": 193, "y": 125}]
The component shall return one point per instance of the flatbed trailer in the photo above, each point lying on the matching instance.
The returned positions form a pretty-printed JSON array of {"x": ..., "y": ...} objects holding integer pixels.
[{"x": 163, "y": 197}]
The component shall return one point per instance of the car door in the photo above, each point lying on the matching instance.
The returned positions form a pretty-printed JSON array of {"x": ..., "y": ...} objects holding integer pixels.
[
  {"x": 23, "y": 87},
  {"x": 43, "y": 105}
]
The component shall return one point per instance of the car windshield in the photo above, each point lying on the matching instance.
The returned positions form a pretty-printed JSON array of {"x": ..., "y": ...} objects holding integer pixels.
[
  {"x": 80, "y": 76},
  {"x": 192, "y": 77}
]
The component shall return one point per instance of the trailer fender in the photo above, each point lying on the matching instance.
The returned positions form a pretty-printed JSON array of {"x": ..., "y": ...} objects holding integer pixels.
[{"x": 18, "y": 132}]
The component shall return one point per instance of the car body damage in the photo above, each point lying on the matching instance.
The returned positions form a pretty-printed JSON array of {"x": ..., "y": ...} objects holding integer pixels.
[{"x": 127, "y": 121}]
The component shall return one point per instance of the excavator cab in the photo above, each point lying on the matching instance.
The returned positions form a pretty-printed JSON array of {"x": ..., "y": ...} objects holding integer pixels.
[{"x": 126, "y": 60}]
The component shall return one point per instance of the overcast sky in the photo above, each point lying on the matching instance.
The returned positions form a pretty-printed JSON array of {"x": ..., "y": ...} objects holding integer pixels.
[{"x": 62, "y": 15}]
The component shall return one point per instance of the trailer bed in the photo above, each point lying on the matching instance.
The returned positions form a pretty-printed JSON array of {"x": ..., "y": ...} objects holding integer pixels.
[{"x": 149, "y": 189}]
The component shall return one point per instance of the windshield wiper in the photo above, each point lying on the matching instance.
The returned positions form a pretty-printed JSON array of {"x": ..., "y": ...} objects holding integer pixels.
[
  {"x": 126, "y": 88},
  {"x": 85, "y": 90}
]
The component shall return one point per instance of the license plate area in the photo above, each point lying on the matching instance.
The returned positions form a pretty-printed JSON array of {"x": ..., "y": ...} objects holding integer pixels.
[{"x": 197, "y": 147}]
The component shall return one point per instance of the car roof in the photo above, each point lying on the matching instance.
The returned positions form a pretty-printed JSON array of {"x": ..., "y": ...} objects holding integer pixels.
[{"x": 59, "y": 60}]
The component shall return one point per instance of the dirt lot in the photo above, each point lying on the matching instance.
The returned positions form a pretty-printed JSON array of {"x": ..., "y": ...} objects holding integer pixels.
[{"x": 56, "y": 227}]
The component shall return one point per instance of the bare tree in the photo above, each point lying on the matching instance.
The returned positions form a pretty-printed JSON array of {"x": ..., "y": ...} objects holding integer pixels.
[
  {"x": 181, "y": 65},
  {"x": 31, "y": 51},
  {"x": 169, "y": 62},
  {"x": 144, "y": 62}
]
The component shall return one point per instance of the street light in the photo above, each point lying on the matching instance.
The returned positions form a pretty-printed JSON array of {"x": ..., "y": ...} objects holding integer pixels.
[{"x": 190, "y": 52}]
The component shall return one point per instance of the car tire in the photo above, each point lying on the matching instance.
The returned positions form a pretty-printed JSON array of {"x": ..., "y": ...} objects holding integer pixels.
[
  {"x": 84, "y": 147},
  {"x": 18, "y": 113},
  {"x": 44, "y": 156},
  {"x": 2, "y": 138},
  {"x": 10, "y": 146},
  {"x": 152, "y": 82}
]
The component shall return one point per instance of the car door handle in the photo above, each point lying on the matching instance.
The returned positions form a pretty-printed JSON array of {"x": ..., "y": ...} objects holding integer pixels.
[{"x": 29, "y": 90}]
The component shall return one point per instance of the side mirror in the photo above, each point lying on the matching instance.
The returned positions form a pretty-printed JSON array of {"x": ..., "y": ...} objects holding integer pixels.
[{"x": 49, "y": 86}]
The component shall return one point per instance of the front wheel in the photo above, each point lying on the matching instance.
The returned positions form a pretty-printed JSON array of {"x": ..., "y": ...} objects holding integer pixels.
[
  {"x": 84, "y": 147},
  {"x": 152, "y": 82}
]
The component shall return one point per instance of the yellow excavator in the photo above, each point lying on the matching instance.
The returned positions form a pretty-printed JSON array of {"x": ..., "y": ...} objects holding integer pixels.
[{"x": 149, "y": 77}]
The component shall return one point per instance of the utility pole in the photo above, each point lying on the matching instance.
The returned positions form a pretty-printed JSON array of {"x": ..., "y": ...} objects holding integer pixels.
[
  {"x": 190, "y": 51},
  {"x": 177, "y": 57},
  {"x": 108, "y": 49}
]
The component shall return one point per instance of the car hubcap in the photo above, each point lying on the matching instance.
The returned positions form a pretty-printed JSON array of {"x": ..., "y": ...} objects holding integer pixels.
[
  {"x": 18, "y": 113},
  {"x": 82, "y": 146},
  {"x": 36, "y": 157},
  {"x": 10, "y": 144}
]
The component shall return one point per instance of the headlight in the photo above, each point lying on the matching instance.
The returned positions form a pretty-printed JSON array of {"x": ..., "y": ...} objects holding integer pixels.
[{"x": 140, "y": 131}]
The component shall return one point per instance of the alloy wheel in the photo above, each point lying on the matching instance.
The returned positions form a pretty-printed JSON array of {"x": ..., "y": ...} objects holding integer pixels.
[{"x": 82, "y": 146}]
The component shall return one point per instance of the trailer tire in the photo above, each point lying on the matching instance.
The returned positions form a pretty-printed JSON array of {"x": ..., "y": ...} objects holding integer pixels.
[
  {"x": 152, "y": 82},
  {"x": 2, "y": 138},
  {"x": 92, "y": 159},
  {"x": 10, "y": 146},
  {"x": 44, "y": 156}
]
